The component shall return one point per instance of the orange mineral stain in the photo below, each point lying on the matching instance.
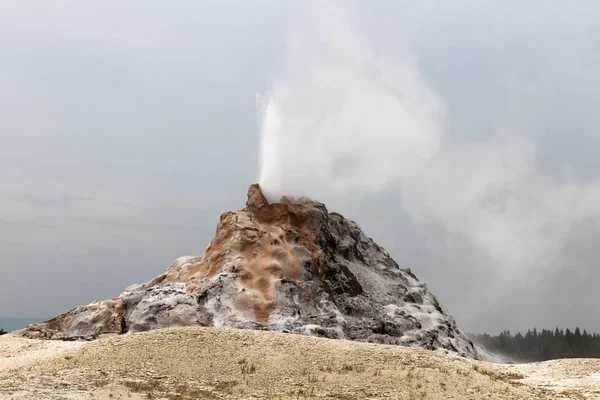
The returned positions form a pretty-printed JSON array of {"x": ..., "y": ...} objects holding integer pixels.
[{"x": 260, "y": 243}]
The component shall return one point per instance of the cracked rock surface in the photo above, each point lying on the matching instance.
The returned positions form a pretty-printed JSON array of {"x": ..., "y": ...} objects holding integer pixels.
[{"x": 289, "y": 266}]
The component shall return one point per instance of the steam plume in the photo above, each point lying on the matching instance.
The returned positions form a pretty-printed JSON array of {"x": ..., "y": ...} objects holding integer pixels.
[{"x": 342, "y": 118}]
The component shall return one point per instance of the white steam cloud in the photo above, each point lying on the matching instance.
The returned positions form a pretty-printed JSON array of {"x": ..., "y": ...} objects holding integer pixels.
[{"x": 343, "y": 118}]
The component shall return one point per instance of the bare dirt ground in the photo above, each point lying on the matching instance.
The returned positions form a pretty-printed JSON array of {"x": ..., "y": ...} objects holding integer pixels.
[{"x": 209, "y": 363}]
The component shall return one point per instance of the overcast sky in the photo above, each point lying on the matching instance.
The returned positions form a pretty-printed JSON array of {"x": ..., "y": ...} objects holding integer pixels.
[{"x": 127, "y": 129}]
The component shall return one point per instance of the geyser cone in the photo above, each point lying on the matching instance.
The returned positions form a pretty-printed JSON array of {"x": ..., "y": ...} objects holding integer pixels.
[{"x": 288, "y": 266}]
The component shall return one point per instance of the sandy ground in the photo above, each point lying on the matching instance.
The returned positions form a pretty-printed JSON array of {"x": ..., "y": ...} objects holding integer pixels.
[
  {"x": 580, "y": 376},
  {"x": 208, "y": 363}
]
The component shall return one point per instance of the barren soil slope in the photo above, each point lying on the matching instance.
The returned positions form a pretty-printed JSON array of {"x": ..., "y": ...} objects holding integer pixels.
[{"x": 197, "y": 363}]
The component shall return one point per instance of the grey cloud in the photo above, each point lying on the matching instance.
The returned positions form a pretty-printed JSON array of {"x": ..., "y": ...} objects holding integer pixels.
[{"x": 49, "y": 201}]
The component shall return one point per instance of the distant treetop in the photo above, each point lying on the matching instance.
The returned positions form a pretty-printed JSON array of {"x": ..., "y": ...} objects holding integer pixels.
[{"x": 542, "y": 345}]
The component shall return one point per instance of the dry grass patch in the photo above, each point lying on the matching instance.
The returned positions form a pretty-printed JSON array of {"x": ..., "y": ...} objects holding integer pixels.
[{"x": 191, "y": 363}]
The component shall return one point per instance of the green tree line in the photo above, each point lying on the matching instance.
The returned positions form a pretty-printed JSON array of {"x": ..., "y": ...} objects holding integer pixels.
[
  {"x": 2, "y": 332},
  {"x": 542, "y": 345}
]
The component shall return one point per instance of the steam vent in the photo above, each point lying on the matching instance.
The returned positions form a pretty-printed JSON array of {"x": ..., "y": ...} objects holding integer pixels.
[{"x": 289, "y": 266}]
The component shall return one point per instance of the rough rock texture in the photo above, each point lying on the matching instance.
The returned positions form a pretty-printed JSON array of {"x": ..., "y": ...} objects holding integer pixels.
[{"x": 288, "y": 266}]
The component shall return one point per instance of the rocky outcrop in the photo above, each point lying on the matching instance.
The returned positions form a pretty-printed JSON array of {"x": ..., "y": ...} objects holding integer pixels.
[{"x": 289, "y": 266}]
